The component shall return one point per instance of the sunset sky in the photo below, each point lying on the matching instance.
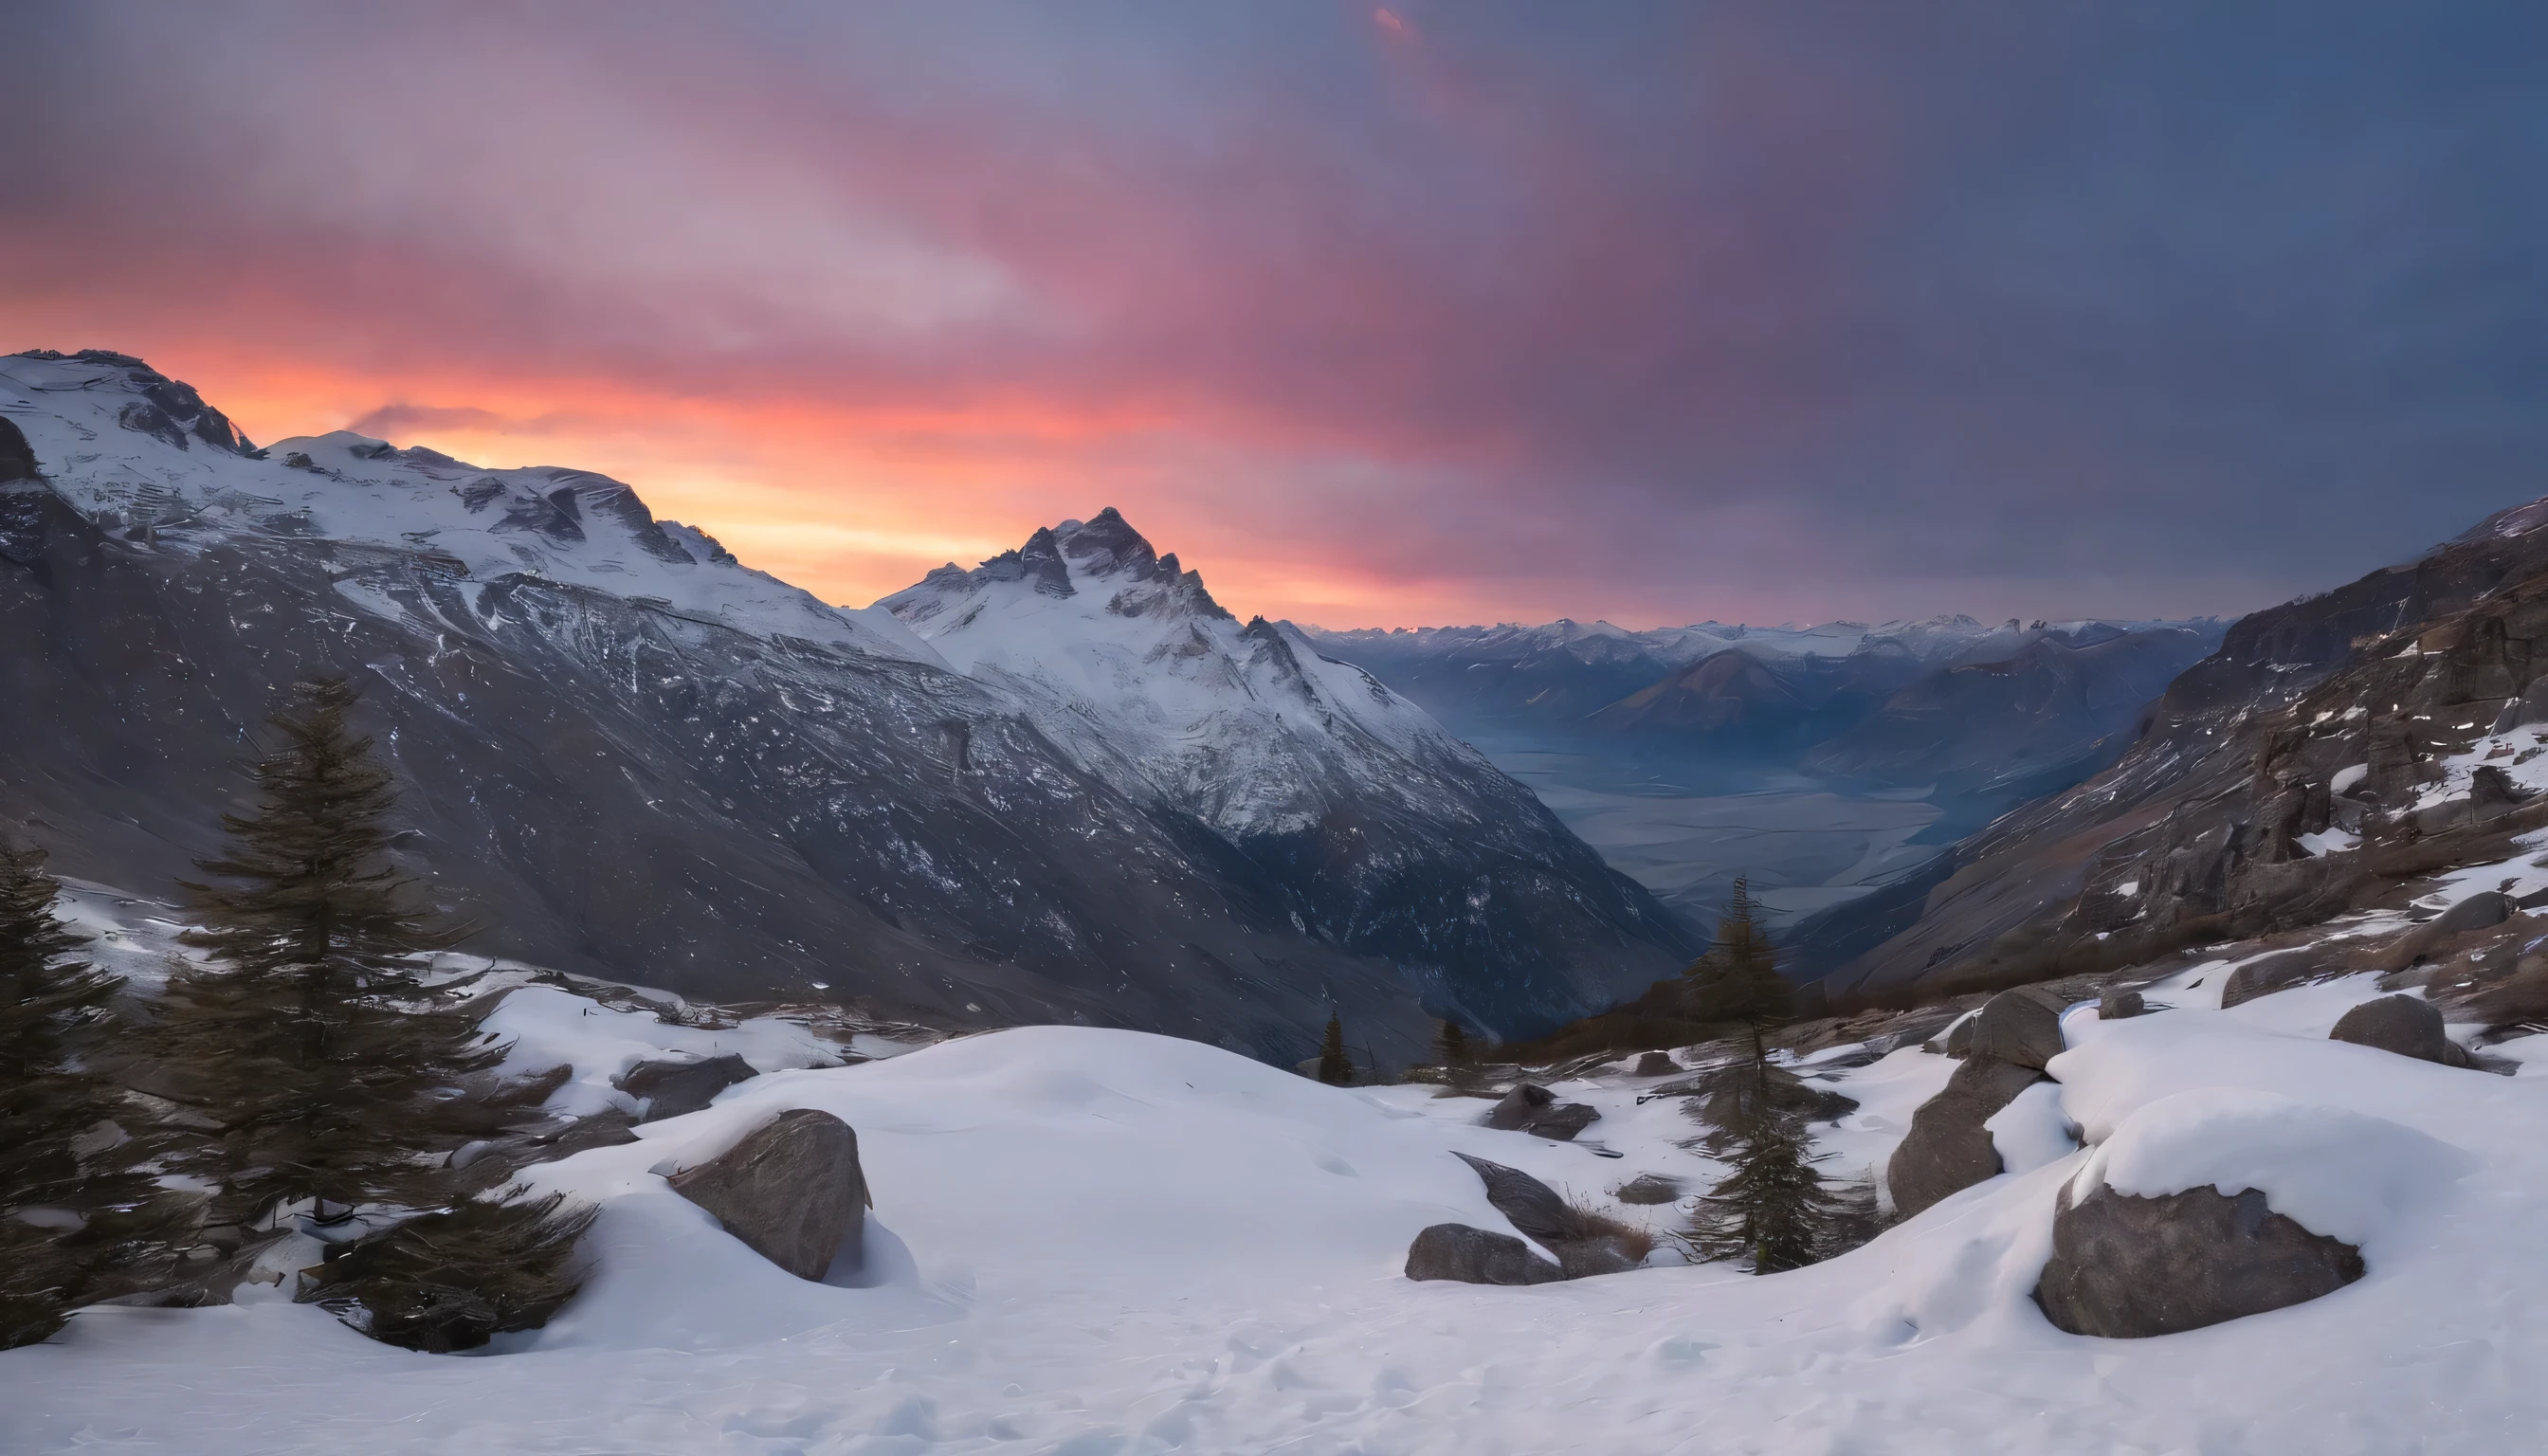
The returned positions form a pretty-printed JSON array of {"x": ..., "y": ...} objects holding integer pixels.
[{"x": 1438, "y": 313}]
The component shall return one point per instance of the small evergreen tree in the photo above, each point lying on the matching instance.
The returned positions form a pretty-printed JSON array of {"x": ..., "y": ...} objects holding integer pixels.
[
  {"x": 78, "y": 1218},
  {"x": 332, "y": 1072},
  {"x": 1738, "y": 978},
  {"x": 1451, "y": 1045},
  {"x": 1773, "y": 1211},
  {"x": 1334, "y": 1068}
]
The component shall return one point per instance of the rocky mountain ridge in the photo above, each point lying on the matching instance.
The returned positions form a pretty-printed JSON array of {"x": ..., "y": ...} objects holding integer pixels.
[
  {"x": 2336, "y": 749},
  {"x": 627, "y": 755}
]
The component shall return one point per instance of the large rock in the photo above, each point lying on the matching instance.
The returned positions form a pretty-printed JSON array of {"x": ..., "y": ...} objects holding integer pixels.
[
  {"x": 791, "y": 1189},
  {"x": 1649, "y": 1188},
  {"x": 2480, "y": 911},
  {"x": 1476, "y": 1256},
  {"x": 674, "y": 1088},
  {"x": 1533, "y": 1206},
  {"x": 1518, "y": 1107},
  {"x": 1585, "y": 1245},
  {"x": 1655, "y": 1064},
  {"x": 1563, "y": 1122},
  {"x": 2127, "y": 1267},
  {"x": 1531, "y": 1107},
  {"x": 2407, "y": 1025},
  {"x": 2021, "y": 1027},
  {"x": 2118, "y": 1004},
  {"x": 1947, "y": 1149},
  {"x": 2267, "y": 974}
]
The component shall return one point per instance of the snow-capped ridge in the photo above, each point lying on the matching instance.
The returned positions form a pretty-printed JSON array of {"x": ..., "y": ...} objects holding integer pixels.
[{"x": 146, "y": 460}]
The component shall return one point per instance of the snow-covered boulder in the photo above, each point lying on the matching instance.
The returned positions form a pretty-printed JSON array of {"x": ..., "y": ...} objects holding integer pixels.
[
  {"x": 2407, "y": 1025},
  {"x": 1469, "y": 1255},
  {"x": 2127, "y": 1267},
  {"x": 1949, "y": 1148},
  {"x": 791, "y": 1189},
  {"x": 2216, "y": 1204},
  {"x": 2021, "y": 1027}
]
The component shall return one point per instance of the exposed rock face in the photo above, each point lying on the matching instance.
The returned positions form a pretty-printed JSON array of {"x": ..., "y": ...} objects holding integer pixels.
[
  {"x": 1518, "y": 1107},
  {"x": 1476, "y": 1256},
  {"x": 2267, "y": 974},
  {"x": 1531, "y": 1107},
  {"x": 1649, "y": 1188},
  {"x": 2121, "y": 1005},
  {"x": 2477, "y": 912},
  {"x": 1655, "y": 1064},
  {"x": 2022, "y": 1028},
  {"x": 2279, "y": 782},
  {"x": 1533, "y": 1206},
  {"x": 1582, "y": 1246},
  {"x": 2407, "y": 1025},
  {"x": 2127, "y": 1267},
  {"x": 674, "y": 1088},
  {"x": 791, "y": 1189},
  {"x": 1947, "y": 1149}
]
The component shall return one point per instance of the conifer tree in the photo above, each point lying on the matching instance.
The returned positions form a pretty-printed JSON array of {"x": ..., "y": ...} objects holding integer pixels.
[
  {"x": 1774, "y": 1211},
  {"x": 1738, "y": 978},
  {"x": 78, "y": 1218},
  {"x": 1451, "y": 1043},
  {"x": 1334, "y": 1068},
  {"x": 331, "y": 1071}
]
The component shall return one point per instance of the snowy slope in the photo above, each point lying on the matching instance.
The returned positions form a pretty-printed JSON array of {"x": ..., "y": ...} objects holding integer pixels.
[{"x": 1095, "y": 1241}]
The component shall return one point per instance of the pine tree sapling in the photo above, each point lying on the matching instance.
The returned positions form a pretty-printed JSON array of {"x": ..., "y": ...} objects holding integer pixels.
[
  {"x": 73, "y": 1225},
  {"x": 1334, "y": 1068},
  {"x": 1738, "y": 978},
  {"x": 333, "y": 1070},
  {"x": 1774, "y": 1211},
  {"x": 1451, "y": 1045},
  {"x": 450, "y": 1280}
]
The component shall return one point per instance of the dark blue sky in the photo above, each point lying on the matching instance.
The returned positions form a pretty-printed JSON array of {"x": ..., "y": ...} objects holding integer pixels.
[{"x": 1439, "y": 312}]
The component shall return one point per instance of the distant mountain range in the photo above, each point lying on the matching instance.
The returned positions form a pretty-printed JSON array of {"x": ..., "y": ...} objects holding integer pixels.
[
  {"x": 1832, "y": 763},
  {"x": 2334, "y": 750},
  {"x": 1063, "y": 786}
]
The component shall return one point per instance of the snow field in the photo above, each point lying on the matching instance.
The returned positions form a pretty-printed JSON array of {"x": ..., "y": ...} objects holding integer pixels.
[{"x": 1091, "y": 1241}]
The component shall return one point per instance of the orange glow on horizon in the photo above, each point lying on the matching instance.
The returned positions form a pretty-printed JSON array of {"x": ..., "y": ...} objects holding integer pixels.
[{"x": 850, "y": 501}]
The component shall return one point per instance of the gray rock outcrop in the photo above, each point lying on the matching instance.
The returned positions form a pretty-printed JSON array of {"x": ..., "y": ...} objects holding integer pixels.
[
  {"x": 1476, "y": 1256},
  {"x": 674, "y": 1088},
  {"x": 2021, "y": 1027},
  {"x": 1531, "y": 1107},
  {"x": 1655, "y": 1064},
  {"x": 2127, "y": 1267},
  {"x": 2480, "y": 911},
  {"x": 1947, "y": 1149},
  {"x": 2121, "y": 1005},
  {"x": 1649, "y": 1188},
  {"x": 792, "y": 1190},
  {"x": 2409, "y": 1026},
  {"x": 2267, "y": 974}
]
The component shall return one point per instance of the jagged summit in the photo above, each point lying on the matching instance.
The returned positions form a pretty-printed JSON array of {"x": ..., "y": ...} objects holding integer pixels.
[{"x": 1055, "y": 560}]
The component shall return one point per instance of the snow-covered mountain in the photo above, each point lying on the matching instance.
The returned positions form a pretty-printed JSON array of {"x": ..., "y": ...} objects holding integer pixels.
[
  {"x": 627, "y": 753},
  {"x": 1128, "y": 661}
]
